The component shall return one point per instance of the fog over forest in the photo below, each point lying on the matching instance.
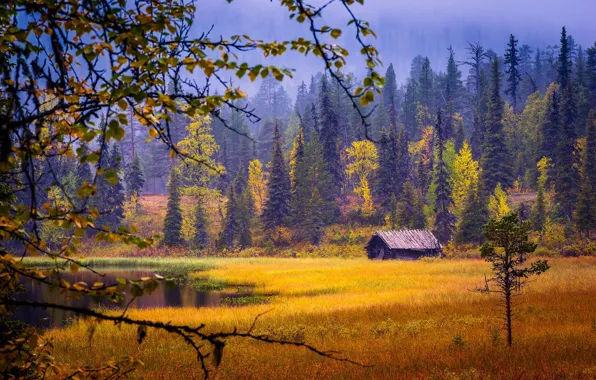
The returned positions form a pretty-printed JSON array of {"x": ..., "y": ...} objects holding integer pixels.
[{"x": 408, "y": 28}]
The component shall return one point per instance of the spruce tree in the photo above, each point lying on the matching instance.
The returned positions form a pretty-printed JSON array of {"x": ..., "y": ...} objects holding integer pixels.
[
  {"x": 410, "y": 209},
  {"x": 111, "y": 194},
  {"x": 229, "y": 232},
  {"x": 244, "y": 209},
  {"x": 495, "y": 158},
  {"x": 135, "y": 178},
  {"x": 173, "y": 219},
  {"x": 381, "y": 119},
  {"x": 393, "y": 216},
  {"x": 390, "y": 97},
  {"x": 329, "y": 134},
  {"x": 513, "y": 76},
  {"x": 585, "y": 213},
  {"x": 474, "y": 217},
  {"x": 564, "y": 61},
  {"x": 566, "y": 174},
  {"x": 444, "y": 219},
  {"x": 426, "y": 89},
  {"x": 277, "y": 206},
  {"x": 550, "y": 129},
  {"x": 410, "y": 109},
  {"x": 201, "y": 238},
  {"x": 301, "y": 100}
]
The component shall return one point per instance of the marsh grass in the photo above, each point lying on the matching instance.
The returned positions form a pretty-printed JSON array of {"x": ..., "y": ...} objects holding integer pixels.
[{"x": 419, "y": 319}]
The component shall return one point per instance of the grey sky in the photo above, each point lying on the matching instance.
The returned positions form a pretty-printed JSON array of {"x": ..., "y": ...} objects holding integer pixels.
[{"x": 408, "y": 28}]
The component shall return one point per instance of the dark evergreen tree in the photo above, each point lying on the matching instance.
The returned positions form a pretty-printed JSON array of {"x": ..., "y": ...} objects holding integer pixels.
[
  {"x": 410, "y": 212},
  {"x": 550, "y": 129},
  {"x": 495, "y": 161},
  {"x": 393, "y": 216},
  {"x": 566, "y": 175},
  {"x": 585, "y": 213},
  {"x": 308, "y": 122},
  {"x": 410, "y": 109},
  {"x": 301, "y": 100},
  {"x": 473, "y": 218},
  {"x": 277, "y": 206},
  {"x": 453, "y": 91},
  {"x": 426, "y": 87},
  {"x": 513, "y": 75},
  {"x": 591, "y": 74},
  {"x": 110, "y": 191},
  {"x": 134, "y": 177},
  {"x": 394, "y": 164},
  {"x": 265, "y": 144},
  {"x": 201, "y": 238},
  {"x": 564, "y": 61},
  {"x": 390, "y": 96},
  {"x": 329, "y": 133},
  {"x": 444, "y": 219},
  {"x": 229, "y": 233},
  {"x": 173, "y": 219}
]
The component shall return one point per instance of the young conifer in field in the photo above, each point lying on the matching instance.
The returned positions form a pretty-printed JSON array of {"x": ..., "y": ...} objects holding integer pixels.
[{"x": 507, "y": 249}]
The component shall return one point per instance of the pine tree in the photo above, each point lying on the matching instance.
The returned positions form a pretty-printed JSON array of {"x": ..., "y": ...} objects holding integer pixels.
[
  {"x": 390, "y": 96},
  {"x": 495, "y": 158},
  {"x": 550, "y": 129},
  {"x": 470, "y": 228},
  {"x": 566, "y": 175},
  {"x": 513, "y": 76},
  {"x": 230, "y": 230},
  {"x": 296, "y": 157},
  {"x": 394, "y": 164},
  {"x": 301, "y": 100},
  {"x": 591, "y": 74},
  {"x": 444, "y": 219},
  {"x": 410, "y": 109},
  {"x": 173, "y": 219},
  {"x": 409, "y": 211},
  {"x": 111, "y": 194},
  {"x": 308, "y": 122},
  {"x": 381, "y": 120},
  {"x": 453, "y": 91},
  {"x": 426, "y": 89},
  {"x": 564, "y": 61},
  {"x": 329, "y": 134},
  {"x": 201, "y": 238},
  {"x": 277, "y": 206},
  {"x": 243, "y": 209},
  {"x": 585, "y": 213},
  {"x": 134, "y": 177},
  {"x": 393, "y": 216},
  {"x": 459, "y": 134}
]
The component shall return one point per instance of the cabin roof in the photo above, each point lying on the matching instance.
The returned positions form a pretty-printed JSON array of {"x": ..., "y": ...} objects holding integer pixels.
[{"x": 408, "y": 239}]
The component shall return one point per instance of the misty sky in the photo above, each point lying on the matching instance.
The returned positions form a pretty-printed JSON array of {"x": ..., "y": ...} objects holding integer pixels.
[{"x": 408, "y": 28}]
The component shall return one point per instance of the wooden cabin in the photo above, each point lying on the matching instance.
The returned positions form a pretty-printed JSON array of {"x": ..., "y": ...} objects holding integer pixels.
[{"x": 402, "y": 244}]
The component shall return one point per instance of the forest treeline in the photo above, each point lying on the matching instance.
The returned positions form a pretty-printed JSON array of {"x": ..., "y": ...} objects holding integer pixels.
[{"x": 445, "y": 148}]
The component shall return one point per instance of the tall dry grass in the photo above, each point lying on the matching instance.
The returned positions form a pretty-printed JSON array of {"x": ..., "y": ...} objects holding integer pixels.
[{"x": 419, "y": 319}]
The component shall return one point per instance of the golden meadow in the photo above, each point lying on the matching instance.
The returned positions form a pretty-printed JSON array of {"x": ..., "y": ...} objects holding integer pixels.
[{"x": 405, "y": 319}]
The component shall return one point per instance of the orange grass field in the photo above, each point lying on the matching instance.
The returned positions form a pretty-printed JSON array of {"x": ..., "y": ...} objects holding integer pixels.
[{"x": 407, "y": 319}]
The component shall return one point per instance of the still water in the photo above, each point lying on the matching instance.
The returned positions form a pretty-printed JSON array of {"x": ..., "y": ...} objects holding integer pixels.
[{"x": 182, "y": 294}]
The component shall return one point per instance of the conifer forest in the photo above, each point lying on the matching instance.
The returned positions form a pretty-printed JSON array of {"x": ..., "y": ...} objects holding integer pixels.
[{"x": 297, "y": 189}]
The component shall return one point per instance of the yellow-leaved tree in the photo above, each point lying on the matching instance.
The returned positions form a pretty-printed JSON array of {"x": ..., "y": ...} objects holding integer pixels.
[
  {"x": 362, "y": 162},
  {"x": 497, "y": 203},
  {"x": 257, "y": 184},
  {"x": 465, "y": 176}
]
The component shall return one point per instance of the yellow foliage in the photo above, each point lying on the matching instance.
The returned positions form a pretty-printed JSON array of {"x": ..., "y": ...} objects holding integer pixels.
[
  {"x": 465, "y": 176},
  {"x": 362, "y": 162},
  {"x": 497, "y": 203},
  {"x": 257, "y": 184}
]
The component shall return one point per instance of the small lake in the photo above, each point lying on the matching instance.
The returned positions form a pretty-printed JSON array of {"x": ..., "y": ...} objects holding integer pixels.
[{"x": 181, "y": 294}]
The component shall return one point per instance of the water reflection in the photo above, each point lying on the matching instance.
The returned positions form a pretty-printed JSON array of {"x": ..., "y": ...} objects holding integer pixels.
[{"x": 182, "y": 294}]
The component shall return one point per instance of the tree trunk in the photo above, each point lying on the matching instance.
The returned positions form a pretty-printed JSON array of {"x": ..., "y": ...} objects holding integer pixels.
[{"x": 508, "y": 316}]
